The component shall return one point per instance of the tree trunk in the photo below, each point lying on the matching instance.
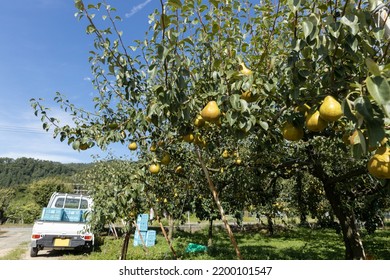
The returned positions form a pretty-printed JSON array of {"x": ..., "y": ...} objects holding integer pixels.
[
  {"x": 125, "y": 246},
  {"x": 171, "y": 222},
  {"x": 270, "y": 224},
  {"x": 352, "y": 241},
  {"x": 210, "y": 240},
  {"x": 301, "y": 201},
  {"x": 354, "y": 249}
]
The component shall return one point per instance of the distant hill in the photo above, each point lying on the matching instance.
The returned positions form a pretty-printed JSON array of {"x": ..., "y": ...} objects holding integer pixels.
[{"x": 25, "y": 170}]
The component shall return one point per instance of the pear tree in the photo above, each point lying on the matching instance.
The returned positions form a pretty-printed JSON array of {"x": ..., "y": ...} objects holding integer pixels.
[
  {"x": 246, "y": 69},
  {"x": 118, "y": 193}
]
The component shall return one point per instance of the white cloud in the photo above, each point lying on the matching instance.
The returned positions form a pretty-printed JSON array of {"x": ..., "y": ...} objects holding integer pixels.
[{"x": 137, "y": 8}]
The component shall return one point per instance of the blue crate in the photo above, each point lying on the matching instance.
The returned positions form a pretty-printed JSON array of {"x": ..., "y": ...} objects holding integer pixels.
[
  {"x": 52, "y": 214},
  {"x": 142, "y": 226},
  {"x": 137, "y": 238},
  {"x": 147, "y": 243},
  {"x": 151, "y": 235},
  {"x": 150, "y": 243},
  {"x": 72, "y": 215},
  {"x": 150, "y": 238},
  {"x": 137, "y": 242},
  {"x": 142, "y": 218}
]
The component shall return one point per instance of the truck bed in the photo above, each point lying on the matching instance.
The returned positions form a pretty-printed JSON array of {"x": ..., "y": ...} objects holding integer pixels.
[{"x": 59, "y": 227}]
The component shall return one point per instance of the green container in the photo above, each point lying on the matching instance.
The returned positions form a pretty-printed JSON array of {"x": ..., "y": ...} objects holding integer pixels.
[{"x": 193, "y": 248}]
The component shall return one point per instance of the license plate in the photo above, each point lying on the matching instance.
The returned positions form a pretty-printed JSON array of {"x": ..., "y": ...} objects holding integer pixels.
[{"x": 58, "y": 242}]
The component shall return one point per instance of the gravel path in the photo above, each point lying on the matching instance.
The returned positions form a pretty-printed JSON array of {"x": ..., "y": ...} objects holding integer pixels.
[{"x": 12, "y": 238}]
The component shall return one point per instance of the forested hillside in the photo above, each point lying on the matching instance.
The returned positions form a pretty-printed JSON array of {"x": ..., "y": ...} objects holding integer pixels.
[{"x": 25, "y": 170}]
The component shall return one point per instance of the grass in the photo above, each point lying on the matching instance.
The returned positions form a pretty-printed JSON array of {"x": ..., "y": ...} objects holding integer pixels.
[
  {"x": 286, "y": 244},
  {"x": 17, "y": 253}
]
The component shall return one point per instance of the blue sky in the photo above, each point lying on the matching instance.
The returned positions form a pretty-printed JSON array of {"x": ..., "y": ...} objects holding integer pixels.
[{"x": 44, "y": 49}]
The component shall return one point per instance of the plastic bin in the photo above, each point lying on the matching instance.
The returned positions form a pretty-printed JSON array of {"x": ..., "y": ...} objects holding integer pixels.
[
  {"x": 52, "y": 214},
  {"x": 72, "y": 215}
]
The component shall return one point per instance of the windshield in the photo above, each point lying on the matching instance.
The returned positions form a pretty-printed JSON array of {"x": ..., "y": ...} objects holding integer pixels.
[{"x": 71, "y": 203}]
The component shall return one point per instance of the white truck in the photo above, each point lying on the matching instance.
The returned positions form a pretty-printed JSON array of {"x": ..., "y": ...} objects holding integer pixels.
[{"x": 63, "y": 224}]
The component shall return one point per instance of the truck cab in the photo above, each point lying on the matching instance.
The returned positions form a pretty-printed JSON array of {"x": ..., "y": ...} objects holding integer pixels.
[{"x": 63, "y": 224}]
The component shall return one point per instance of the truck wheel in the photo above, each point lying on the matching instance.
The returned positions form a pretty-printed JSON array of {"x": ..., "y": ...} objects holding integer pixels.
[
  {"x": 34, "y": 252},
  {"x": 88, "y": 248}
]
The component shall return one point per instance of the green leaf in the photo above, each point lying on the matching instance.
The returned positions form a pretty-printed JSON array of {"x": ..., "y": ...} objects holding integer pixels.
[
  {"x": 244, "y": 105},
  {"x": 363, "y": 106},
  {"x": 357, "y": 151},
  {"x": 294, "y": 5},
  {"x": 79, "y": 5},
  {"x": 175, "y": 4},
  {"x": 362, "y": 139},
  {"x": 351, "y": 23},
  {"x": 376, "y": 132},
  {"x": 379, "y": 89},
  {"x": 347, "y": 110},
  {"x": 90, "y": 29},
  {"x": 231, "y": 117},
  {"x": 264, "y": 125},
  {"x": 373, "y": 67},
  {"x": 234, "y": 101},
  {"x": 307, "y": 28}
]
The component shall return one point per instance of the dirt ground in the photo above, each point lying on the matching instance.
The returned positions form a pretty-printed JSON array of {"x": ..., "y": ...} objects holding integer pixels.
[{"x": 13, "y": 237}]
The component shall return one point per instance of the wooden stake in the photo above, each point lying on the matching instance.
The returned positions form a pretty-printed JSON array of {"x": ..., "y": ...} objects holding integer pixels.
[
  {"x": 166, "y": 237},
  {"x": 140, "y": 235},
  {"x": 219, "y": 205}
]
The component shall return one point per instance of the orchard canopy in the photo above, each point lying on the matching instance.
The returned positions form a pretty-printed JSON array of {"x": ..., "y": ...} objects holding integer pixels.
[
  {"x": 256, "y": 82},
  {"x": 262, "y": 63}
]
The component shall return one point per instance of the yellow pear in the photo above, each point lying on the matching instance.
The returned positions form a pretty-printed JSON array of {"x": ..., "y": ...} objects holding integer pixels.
[
  {"x": 291, "y": 132},
  {"x": 199, "y": 121},
  {"x": 166, "y": 159},
  {"x": 153, "y": 148},
  {"x": 211, "y": 111},
  {"x": 225, "y": 154},
  {"x": 83, "y": 146},
  {"x": 379, "y": 164},
  {"x": 315, "y": 123},
  {"x": 132, "y": 146},
  {"x": 330, "y": 109},
  {"x": 154, "y": 168},
  {"x": 179, "y": 169},
  {"x": 248, "y": 96},
  {"x": 244, "y": 70},
  {"x": 189, "y": 138}
]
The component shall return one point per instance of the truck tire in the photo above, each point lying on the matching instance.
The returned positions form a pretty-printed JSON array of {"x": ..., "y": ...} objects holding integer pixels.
[
  {"x": 34, "y": 252},
  {"x": 88, "y": 248}
]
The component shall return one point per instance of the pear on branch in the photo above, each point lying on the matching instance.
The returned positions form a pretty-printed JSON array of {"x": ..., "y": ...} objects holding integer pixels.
[{"x": 244, "y": 70}]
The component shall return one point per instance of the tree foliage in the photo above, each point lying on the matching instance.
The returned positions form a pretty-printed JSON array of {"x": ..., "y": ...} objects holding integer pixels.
[
  {"x": 260, "y": 63},
  {"x": 18, "y": 171}
]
